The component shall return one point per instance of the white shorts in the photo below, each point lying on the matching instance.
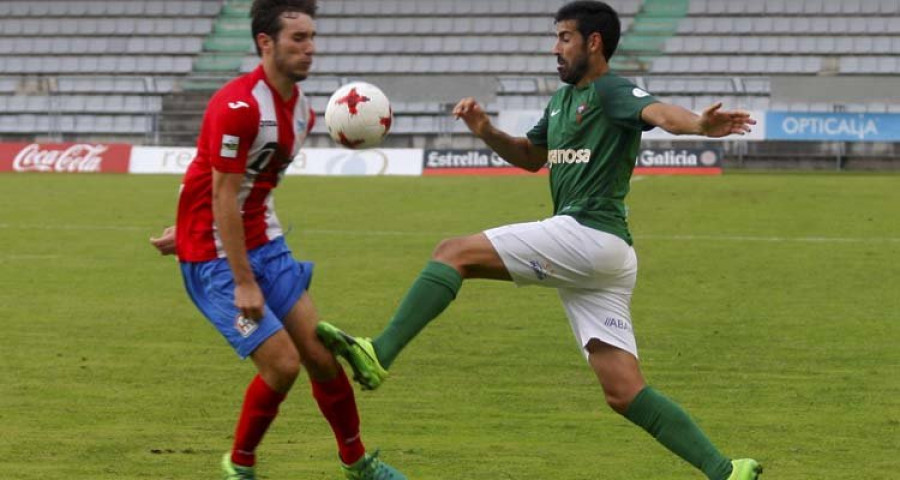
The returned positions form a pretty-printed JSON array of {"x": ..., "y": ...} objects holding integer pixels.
[{"x": 593, "y": 271}]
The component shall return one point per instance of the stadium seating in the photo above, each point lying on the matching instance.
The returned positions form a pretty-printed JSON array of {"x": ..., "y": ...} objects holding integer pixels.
[
  {"x": 95, "y": 69},
  {"x": 382, "y": 36},
  {"x": 751, "y": 42},
  {"x": 107, "y": 68}
]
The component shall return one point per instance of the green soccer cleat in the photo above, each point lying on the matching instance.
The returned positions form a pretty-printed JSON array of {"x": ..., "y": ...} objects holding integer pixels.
[
  {"x": 358, "y": 352},
  {"x": 745, "y": 469},
  {"x": 231, "y": 471},
  {"x": 370, "y": 467}
]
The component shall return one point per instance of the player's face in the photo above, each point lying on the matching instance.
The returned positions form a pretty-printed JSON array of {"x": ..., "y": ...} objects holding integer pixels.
[
  {"x": 571, "y": 52},
  {"x": 295, "y": 46}
]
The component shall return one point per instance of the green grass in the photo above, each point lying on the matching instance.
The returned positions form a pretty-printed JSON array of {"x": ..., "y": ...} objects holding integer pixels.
[{"x": 767, "y": 305}]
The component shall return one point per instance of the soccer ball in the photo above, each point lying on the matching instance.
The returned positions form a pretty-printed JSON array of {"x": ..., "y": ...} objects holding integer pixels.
[{"x": 358, "y": 115}]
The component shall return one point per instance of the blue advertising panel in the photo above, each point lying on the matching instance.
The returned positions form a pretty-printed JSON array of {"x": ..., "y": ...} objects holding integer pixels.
[{"x": 840, "y": 127}]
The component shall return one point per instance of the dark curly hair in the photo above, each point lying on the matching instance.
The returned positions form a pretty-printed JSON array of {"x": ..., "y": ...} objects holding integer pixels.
[
  {"x": 594, "y": 17},
  {"x": 266, "y": 15}
]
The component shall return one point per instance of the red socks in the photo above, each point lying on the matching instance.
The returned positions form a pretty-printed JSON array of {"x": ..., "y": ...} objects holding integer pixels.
[
  {"x": 259, "y": 409},
  {"x": 336, "y": 401},
  {"x": 338, "y": 406}
]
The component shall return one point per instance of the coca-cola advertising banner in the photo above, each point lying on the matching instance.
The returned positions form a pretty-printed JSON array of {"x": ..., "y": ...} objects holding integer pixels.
[{"x": 65, "y": 157}]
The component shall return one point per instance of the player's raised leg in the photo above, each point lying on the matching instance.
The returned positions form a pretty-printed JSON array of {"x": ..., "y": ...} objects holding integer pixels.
[
  {"x": 334, "y": 396},
  {"x": 626, "y": 393},
  {"x": 432, "y": 291},
  {"x": 357, "y": 351}
]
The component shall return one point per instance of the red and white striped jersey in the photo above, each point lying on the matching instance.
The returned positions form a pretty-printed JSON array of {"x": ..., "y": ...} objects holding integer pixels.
[{"x": 247, "y": 129}]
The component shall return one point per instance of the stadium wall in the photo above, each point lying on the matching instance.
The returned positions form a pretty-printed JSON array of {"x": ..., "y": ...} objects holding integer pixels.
[
  {"x": 806, "y": 139},
  {"x": 87, "y": 158}
]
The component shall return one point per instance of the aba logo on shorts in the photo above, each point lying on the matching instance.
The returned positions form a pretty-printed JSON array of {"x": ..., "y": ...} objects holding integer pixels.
[
  {"x": 617, "y": 323},
  {"x": 245, "y": 326}
]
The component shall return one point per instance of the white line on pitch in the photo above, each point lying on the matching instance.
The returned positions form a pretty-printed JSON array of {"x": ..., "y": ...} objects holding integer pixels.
[
  {"x": 29, "y": 256},
  {"x": 725, "y": 238},
  {"x": 71, "y": 227},
  {"x": 405, "y": 233},
  {"x": 749, "y": 238}
]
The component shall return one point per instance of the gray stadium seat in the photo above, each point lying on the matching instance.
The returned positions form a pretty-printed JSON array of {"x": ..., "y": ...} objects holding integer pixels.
[
  {"x": 8, "y": 123},
  {"x": 17, "y": 104},
  {"x": 133, "y": 9},
  {"x": 182, "y": 65},
  {"x": 164, "y": 64},
  {"x": 19, "y": 9},
  {"x": 75, "y": 103},
  {"x": 8, "y": 85},
  {"x": 103, "y": 123},
  {"x": 160, "y": 85},
  {"x": 154, "y": 9}
]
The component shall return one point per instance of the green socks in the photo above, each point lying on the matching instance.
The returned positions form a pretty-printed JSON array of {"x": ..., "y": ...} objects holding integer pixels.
[
  {"x": 674, "y": 429},
  {"x": 429, "y": 295}
]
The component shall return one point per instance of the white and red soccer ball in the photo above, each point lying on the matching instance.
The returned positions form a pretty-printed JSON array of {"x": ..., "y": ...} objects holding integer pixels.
[{"x": 358, "y": 115}]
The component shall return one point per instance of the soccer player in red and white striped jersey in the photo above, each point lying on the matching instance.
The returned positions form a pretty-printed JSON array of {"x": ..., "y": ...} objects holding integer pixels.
[{"x": 236, "y": 266}]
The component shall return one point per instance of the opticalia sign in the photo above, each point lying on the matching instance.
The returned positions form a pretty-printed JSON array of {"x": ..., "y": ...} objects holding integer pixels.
[
  {"x": 64, "y": 157},
  {"x": 841, "y": 127},
  {"x": 674, "y": 161}
]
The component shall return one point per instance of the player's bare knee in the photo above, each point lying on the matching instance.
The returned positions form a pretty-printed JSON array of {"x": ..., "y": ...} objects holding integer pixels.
[
  {"x": 618, "y": 402},
  {"x": 450, "y": 251},
  {"x": 320, "y": 363},
  {"x": 280, "y": 374},
  {"x": 286, "y": 367},
  {"x": 619, "y": 395}
]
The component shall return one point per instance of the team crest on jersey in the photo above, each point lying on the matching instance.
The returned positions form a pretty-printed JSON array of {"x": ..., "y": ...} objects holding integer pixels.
[
  {"x": 230, "y": 145},
  {"x": 579, "y": 113},
  {"x": 301, "y": 125},
  {"x": 245, "y": 326}
]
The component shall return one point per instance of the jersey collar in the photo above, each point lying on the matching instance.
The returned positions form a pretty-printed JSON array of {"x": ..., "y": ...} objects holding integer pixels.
[{"x": 259, "y": 73}]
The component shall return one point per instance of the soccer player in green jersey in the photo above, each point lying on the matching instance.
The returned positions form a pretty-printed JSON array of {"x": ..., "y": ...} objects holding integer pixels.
[{"x": 589, "y": 136}]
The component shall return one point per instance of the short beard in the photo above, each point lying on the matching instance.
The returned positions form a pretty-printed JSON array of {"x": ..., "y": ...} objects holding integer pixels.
[
  {"x": 283, "y": 67},
  {"x": 576, "y": 71}
]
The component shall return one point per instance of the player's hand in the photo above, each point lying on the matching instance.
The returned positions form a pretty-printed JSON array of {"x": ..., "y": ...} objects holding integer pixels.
[
  {"x": 717, "y": 123},
  {"x": 248, "y": 298},
  {"x": 471, "y": 112},
  {"x": 165, "y": 243}
]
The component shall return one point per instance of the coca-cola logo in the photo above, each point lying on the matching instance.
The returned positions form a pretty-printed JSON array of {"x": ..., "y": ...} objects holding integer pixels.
[{"x": 80, "y": 157}]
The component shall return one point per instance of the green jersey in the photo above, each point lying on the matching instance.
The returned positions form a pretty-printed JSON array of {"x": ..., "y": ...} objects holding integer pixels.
[{"x": 592, "y": 135}]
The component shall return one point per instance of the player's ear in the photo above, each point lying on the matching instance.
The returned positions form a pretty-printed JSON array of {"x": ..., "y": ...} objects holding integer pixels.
[
  {"x": 595, "y": 42},
  {"x": 263, "y": 42}
]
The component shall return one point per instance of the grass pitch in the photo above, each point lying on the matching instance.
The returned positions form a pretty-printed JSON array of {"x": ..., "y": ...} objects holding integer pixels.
[{"x": 767, "y": 305}]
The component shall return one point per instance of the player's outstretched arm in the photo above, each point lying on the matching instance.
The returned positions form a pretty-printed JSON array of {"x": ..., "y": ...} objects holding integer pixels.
[
  {"x": 517, "y": 151},
  {"x": 713, "y": 122},
  {"x": 165, "y": 242}
]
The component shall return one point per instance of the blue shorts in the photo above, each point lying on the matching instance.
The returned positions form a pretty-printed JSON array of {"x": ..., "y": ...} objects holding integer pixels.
[{"x": 281, "y": 279}]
